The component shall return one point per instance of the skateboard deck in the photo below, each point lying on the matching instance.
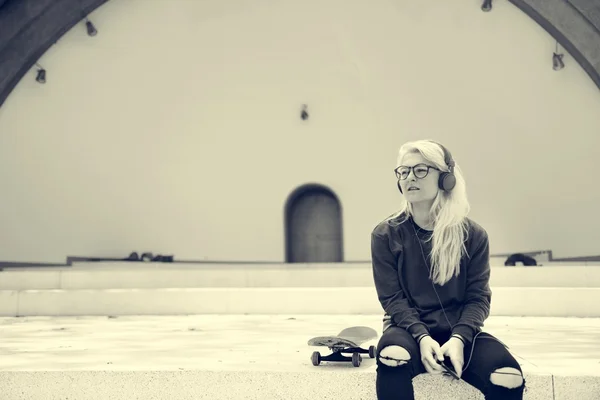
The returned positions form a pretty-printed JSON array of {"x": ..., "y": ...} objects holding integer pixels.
[{"x": 348, "y": 340}]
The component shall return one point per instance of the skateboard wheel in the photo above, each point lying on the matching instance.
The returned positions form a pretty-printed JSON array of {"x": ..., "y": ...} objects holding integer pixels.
[
  {"x": 356, "y": 359},
  {"x": 372, "y": 350},
  {"x": 316, "y": 358}
]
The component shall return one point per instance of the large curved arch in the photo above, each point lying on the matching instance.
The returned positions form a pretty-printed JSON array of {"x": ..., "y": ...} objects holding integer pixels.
[
  {"x": 28, "y": 28},
  {"x": 575, "y": 24}
]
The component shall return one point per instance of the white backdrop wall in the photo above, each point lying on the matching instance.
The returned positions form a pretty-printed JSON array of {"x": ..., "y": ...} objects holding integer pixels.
[{"x": 176, "y": 129}]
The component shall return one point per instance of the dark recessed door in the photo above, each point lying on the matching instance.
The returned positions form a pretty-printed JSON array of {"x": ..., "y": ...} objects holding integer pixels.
[{"x": 314, "y": 228}]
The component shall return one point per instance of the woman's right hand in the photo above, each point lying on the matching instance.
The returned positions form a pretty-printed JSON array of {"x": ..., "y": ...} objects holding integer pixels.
[{"x": 430, "y": 349}]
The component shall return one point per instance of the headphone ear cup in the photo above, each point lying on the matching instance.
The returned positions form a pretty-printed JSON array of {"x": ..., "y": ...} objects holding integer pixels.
[
  {"x": 399, "y": 187},
  {"x": 447, "y": 181}
]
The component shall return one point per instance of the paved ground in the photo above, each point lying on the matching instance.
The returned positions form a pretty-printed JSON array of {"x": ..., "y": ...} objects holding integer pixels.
[{"x": 561, "y": 346}]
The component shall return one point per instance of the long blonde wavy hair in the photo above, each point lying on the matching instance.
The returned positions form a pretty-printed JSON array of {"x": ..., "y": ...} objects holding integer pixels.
[{"x": 448, "y": 214}]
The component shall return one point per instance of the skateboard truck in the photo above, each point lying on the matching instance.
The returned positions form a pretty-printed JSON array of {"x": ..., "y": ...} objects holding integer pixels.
[{"x": 337, "y": 355}]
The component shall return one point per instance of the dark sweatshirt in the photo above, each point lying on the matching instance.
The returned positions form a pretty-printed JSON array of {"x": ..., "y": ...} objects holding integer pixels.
[{"x": 405, "y": 290}]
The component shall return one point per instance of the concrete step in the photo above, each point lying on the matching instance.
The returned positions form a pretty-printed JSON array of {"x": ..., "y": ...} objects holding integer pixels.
[
  {"x": 160, "y": 275},
  {"x": 259, "y": 357},
  {"x": 506, "y": 301}
]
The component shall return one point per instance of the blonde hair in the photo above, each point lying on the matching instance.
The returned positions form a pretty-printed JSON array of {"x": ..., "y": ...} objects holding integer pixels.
[{"x": 448, "y": 214}]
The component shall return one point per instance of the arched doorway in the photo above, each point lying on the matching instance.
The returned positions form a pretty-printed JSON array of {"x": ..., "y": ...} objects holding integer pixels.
[{"x": 313, "y": 226}]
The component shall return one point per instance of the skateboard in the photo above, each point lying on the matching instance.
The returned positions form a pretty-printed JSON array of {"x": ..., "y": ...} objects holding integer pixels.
[{"x": 347, "y": 341}]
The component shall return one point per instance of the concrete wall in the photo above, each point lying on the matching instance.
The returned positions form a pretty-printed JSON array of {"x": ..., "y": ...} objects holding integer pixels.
[{"x": 176, "y": 129}]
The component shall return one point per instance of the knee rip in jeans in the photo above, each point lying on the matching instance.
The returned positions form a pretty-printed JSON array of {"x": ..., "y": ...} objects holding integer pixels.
[
  {"x": 507, "y": 377},
  {"x": 394, "y": 356}
]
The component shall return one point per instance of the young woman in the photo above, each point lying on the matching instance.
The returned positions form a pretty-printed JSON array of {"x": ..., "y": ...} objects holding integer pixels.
[{"x": 431, "y": 271}]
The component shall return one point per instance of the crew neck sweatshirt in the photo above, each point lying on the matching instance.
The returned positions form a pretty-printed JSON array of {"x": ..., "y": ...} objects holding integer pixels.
[{"x": 406, "y": 292}]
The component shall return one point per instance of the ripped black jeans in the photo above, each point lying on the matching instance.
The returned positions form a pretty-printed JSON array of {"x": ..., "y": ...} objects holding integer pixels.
[{"x": 395, "y": 382}]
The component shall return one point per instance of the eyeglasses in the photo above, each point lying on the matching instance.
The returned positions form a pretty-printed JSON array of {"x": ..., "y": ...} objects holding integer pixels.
[{"x": 419, "y": 170}]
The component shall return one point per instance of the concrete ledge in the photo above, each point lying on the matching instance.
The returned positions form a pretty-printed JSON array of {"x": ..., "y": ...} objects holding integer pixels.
[
  {"x": 238, "y": 385},
  {"x": 9, "y": 302},
  {"x": 574, "y": 387},
  {"x": 159, "y": 275},
  {"x": 549, "y": 302},
  {"x": 259, "y": 357}
]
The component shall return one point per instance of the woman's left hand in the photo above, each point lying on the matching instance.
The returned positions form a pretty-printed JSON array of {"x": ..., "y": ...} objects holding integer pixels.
[{"x": 454, "y": 349}]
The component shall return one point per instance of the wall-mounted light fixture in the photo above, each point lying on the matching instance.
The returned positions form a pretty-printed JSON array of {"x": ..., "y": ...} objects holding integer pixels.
[
  {"x": 91, "y": 29},
  {"x": 557, "y": 60},
  {"x": 41, "y": 74},
  {"x": 487, "y": 5},
  {"x": 304, "y": 113}
]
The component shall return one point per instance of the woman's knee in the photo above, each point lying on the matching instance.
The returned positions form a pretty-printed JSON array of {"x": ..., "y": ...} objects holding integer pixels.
[
  {"x": 393, "y": 355},
  {"x": 394, "y": 376},
  {"x": 508, "y": 377}
]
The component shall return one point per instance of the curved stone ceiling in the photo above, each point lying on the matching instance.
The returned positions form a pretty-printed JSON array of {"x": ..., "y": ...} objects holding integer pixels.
[{"x": 29, "y": 27}]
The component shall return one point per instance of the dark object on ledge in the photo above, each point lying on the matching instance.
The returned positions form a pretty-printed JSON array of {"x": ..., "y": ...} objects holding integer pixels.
[
  {"x": 160, "y": 258},
  {"x": 519, "y": 257},
  {"x": 148, "y": 257},
  {"x": 487, "y": 5},
  {"x": 132, "y": 257}
]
